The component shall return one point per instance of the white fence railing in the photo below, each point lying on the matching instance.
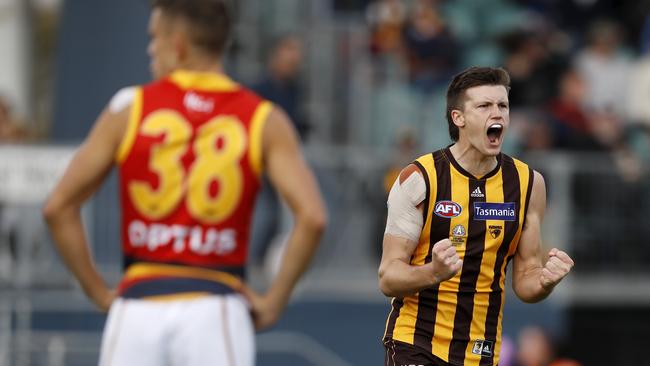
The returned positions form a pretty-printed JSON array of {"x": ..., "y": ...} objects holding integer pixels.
[{"x": 593, "y": 212}]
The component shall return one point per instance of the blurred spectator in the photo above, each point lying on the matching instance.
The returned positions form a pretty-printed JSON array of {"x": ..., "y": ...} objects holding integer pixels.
[
  {"x": 430, "y": 48},
  {"x": 508, "y": 351},
  {"x": 579, "y": 128},
  {"x": 533, "y": 70},
  {"x": 565, "y": 362},
  {"x": 575, "y": 128},
  {"x": 11, "y": 131},
  {"x": 404, "y": 152},
  {"x": 535, "y": 348},
  {"x": 530, "y": 131},
  {"x": 281, "y": 84},
  {"x": 571, "y": 123},
  {"x": 638, "y": 95},
  {"x": 605, "y": 68},
  {"x": 386, "y": 19},
  {"x": 7, "y": 245}
]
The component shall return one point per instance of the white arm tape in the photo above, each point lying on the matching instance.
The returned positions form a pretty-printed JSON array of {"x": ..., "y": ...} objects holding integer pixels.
[
  {"x": 121, "y": 99},
  {"x": 404, "y": 219}
]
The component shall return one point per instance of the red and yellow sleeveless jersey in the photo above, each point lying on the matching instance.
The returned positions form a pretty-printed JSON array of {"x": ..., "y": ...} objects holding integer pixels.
[
  {"x": 189, "y": 171},
  {"x": 459, "y": 320}
]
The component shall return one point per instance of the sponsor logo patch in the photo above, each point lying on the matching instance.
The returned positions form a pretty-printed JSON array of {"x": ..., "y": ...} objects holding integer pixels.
[
  {"x": 483, "y": 348},
  {"x": 458, "y": 235},
  {"x": 477, "y": 193},
  {"x": 447, "y": 209},
  {"x": 495, "y": 230},
  {"x": 197, "y": 103},
  {"x": 495, "y": 211}
]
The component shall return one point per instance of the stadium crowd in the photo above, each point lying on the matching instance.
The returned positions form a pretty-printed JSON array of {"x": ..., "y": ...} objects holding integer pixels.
[{"x": 580, "y": 75}]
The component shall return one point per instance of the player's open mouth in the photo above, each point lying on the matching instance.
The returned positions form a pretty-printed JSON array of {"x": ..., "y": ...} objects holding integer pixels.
[{"x": 494, "y": 133}]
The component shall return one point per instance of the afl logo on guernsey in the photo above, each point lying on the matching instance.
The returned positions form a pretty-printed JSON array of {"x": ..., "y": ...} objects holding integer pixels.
[{"x": 447, "y": 209}]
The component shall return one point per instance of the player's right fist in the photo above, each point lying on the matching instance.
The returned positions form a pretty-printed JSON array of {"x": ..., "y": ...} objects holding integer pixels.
[{"x": 445, "y": 261}]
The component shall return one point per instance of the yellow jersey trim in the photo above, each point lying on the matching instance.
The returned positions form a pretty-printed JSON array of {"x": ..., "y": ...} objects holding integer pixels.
[
  {"x": 132, "y": 127},
  {"x": 140, "y": 270},
  {"x": 255, "y": 135},
  {"x": 176, "y": 297},
  {"x": 204, "y": 81}
]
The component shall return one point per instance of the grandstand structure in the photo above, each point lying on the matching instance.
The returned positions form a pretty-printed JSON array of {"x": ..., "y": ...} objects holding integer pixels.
[{"x": 360, "y": 103}]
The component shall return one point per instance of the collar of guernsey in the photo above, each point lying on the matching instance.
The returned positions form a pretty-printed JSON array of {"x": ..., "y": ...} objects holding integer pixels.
[{"x": 205, "y": 81}]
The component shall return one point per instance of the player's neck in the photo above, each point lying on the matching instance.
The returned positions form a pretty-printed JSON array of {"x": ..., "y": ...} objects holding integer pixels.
[
  {"x": 472, "y": 160},
  {"x": 201, "y": 65}
]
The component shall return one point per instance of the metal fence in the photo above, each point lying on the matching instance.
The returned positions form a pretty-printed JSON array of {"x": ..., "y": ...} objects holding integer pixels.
[{"x": 592, "y": 212}]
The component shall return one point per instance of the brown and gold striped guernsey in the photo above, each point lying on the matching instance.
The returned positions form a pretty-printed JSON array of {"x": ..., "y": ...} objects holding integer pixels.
[{"x": 459, "y": 321}]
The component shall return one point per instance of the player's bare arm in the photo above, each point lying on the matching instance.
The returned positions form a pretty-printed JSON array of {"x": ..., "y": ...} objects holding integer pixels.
[
  {"x": 397, "y": 277},
  {"x": 293, "y": 180},
  {"x": 533, "y": 277},
  {"x": 62, "y": 211}
]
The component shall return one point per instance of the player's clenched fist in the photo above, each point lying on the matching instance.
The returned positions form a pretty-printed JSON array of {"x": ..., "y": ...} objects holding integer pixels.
[
  {"x": 558, "y": 265},
  {"x": 445, "y": 261}
]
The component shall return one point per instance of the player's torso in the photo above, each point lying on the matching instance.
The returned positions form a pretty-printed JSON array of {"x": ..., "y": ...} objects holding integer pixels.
[
  {"x": 189, "y": 173},
  {"x": 460, "y": 320}
]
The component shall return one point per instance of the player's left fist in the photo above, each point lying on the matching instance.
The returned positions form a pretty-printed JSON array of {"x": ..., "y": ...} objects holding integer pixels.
[{"x": 559, "y": 264}]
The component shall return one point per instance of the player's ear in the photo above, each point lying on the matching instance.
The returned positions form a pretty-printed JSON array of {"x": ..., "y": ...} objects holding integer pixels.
[
  {"x": 181, "y": 46},
  {"x": 458, "y": 118},
  {"x": 181, "y": 40}
]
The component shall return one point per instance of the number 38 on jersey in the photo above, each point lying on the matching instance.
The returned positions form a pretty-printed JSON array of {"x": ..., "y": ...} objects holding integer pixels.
[{"x": 218, "y": 147}]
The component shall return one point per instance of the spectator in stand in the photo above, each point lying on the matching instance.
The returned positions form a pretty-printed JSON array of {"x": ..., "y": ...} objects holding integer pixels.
[
  {"x": 531, "y": 131},
  {"x": 535, "y": 348},
  {"x": 405, "y": 150},
  {"x": 638, "y": 96},
  {"x": 578, "y": 128},
  {"x": 508, "y": 351},
  {"x": 533, "y": 69},
  {"x": 572, "y": 125},
  {"x": 281, "y": 85},
  {"x": 605, "y": 68},
  {"x": 11, "y": 131},
  {"x": 431, "y": 50},
  {"x": 386, "y": 19},
  {"x": 565, "y": 362}
]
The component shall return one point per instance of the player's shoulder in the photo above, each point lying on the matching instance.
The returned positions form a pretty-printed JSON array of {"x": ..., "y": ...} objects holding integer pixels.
[
  {"x": 122, "y": 99},
  {"x": 511, "y": 160},
  {"x": 507, "y": 160},
  {"x": 424, "y": 159},
  {"x": 408, "y": 171},
  {"x": 249, "y": 98},
  {"x": 535, "y": 176},
  {"x": 417, "y": 166},
  {"x": 423, "y": 163},
  {"x": 249, "y": 92}
]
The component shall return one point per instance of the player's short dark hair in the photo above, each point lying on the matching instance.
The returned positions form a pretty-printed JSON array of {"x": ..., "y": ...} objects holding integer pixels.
[
  {"x": 469, "y": 78},
  {"x": 209, "y": 21}
]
